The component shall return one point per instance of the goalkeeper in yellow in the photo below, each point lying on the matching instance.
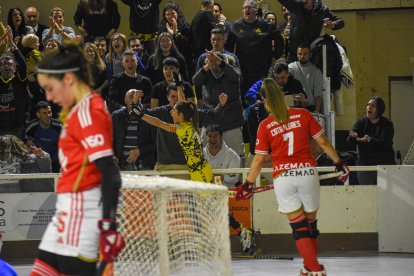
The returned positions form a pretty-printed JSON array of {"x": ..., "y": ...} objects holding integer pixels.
[{"x": 185, "y": 118}]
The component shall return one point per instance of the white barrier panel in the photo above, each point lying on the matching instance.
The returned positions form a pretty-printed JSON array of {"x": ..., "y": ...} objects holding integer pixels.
[
  {"x": 396, "y": 209},
  {"x": 24, "y": 216}
]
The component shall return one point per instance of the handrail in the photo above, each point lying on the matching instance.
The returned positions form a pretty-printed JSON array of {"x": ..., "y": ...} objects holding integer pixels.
[{"x": 243, "y": 171}]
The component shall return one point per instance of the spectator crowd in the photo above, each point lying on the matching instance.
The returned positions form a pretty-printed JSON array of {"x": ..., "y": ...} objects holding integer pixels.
[{"x": 216, "y": 59}]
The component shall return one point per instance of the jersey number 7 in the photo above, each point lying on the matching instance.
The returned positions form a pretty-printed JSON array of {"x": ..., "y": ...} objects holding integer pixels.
[{"x": 289, "y": 137}]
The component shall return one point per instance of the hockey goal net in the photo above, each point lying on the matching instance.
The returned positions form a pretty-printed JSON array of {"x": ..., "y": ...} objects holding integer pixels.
[{"x": 173, "y": 227}]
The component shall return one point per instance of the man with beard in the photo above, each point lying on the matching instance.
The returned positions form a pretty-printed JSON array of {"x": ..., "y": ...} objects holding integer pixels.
[
  {"x": 129, "y": 79},
  {"x": 310, "y": 77}
]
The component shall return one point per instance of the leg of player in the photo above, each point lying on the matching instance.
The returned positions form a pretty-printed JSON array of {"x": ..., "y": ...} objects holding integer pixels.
[
  {"x": 301, "y": 234},
  {"x": 313, "y": 230}
]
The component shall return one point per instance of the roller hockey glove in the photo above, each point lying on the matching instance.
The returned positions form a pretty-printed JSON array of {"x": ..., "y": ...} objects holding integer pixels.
[
  {"x": 244, "y": 191},
  {"x": 136, "y": 109},
  {"x": 110, "y": 241},
  {"x": 342, "y": 167},
  {"x": 177, "y": 79}
]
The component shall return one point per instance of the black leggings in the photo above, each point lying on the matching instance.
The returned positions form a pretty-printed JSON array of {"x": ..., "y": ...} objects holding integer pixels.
[{"x": 67, "y": 265}]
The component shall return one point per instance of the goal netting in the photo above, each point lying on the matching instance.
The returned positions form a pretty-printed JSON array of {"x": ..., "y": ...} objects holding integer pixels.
[{"x": 173, "y": 227}]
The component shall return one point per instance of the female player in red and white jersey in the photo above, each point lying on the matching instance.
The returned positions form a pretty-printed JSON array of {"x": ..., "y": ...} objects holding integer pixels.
[
  {"x": 287, "y": 132},
  {"x": 87, "y": 191}
]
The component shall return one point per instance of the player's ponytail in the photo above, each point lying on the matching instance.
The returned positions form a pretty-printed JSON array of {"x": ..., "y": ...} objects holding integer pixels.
[
  {"x": 275, "y": 100},
  {"x": 189, "y": 111}
]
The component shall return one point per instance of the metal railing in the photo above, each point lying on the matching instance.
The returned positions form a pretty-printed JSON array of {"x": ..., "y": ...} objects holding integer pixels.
[{"x": 243, "y": 171}]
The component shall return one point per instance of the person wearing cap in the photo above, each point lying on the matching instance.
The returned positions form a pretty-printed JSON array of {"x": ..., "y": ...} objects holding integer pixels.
[
  {"x": 159, "y": 91},
  {"x": 373, "y": 135},
  {"x": 129, "y": 79}
]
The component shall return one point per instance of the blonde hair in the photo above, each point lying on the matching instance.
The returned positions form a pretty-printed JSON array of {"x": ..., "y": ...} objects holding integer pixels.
[
  {"x": 275, "y": 100},
  {"x": 98, "y": 60},
  {"x": 29, "y": 39},
  {"x": 11, "y": 145}
]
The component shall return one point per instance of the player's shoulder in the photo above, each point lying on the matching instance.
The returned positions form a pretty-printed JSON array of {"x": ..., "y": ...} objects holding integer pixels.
[{"x": 299, "y": 112}]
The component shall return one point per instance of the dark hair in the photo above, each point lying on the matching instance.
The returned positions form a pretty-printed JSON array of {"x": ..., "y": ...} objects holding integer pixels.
[
  {"x": 133, "y": 38},
  {"x": 380, "y": 105},
  {"x": 206, "y": 3},
  {"x": 128, "y": 53},
  {"x": 181, "y": 22},
  {"x": 219, "y": 6},
  {"x": 171, "y": 61},
  {"x": 159, "y": 57},
  {"x": 21, "y": 31},
  {"x": 278, "y": 68},
  {"x": 214, "y": 128},
  {"x": 270, "y": 12},
  {"x": 69, "y": 55},
  {"x": 171, "y": 86},
  {"x": 189, "y": 111},
  {"x": 218, "y": 30},
  {"x": 304, "y": 45},
  {"x": 100, "y": 38},
  {"x": 40, "y": 105}
]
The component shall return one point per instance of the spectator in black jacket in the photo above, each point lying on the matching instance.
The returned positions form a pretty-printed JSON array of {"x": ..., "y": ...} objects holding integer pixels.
[
  {"x": 134, "y": 140},
  {"x": 14, "y": 100},
  {"x": 201, "y": 26},
  {"x": 129, "y": 79},
  {"x": 373, "y": 134},
  {"x": 173, "y": 22},
  {"x": 97, "y": 18},
  {"x": 144, "y": 16},
  {"x": 253, "y": 40},
  {"x": 307, "y": 18},
  {"x": 32, "y": 20}
]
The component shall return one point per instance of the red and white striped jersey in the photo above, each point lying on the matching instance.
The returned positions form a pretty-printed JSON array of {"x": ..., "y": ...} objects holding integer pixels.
[
  {"x": 289, "y": 142},
  {"x": 85, "y": 137}
]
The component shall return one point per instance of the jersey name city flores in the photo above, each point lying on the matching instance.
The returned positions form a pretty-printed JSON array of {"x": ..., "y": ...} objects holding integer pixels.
[
  {"x": 289, "y": 142},
  {"x": 85, "y": 137}
]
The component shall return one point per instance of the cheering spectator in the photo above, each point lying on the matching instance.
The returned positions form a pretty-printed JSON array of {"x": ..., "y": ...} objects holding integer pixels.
[
  {"x": 170, "y": 66},
  {"x": 217, "y": 13},
  {"x": 98, "y": 68},
  {"x": 113, "y": 60},
  {"x": 17, "y": 24},
  {"x": 253, "y": 40},
  {"x": 32, "y": 16},
  {"x": 136, "y": 46},
  {"x": 15, "y": 100},
  {"x": 57, "y": 30},
  {"x": 51, "y": 45},
  {"x": 134, "y": 140},
  {"x": 99, "y": 18},
  {"x": 165, "y": 48},
  {"x": 173, "y": 22},
  {"x": 373, "y": 134},
  {"x": 101, "y": 45},
  {"x": 129, "y": 79}
]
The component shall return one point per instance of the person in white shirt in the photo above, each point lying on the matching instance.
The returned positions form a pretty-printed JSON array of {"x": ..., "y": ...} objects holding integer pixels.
[{"x": 220, "y": 156}]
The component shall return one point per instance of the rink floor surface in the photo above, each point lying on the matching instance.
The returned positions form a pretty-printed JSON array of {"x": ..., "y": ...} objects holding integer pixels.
[{"x": 350, "y": 265}]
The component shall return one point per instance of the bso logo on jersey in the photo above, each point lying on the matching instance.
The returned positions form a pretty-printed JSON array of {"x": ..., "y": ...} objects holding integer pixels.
[{"x": 93, "y": 141}]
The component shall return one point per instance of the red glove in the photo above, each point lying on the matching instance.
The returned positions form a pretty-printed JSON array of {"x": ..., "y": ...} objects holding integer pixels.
[
  {"x": 110, "y": 241},
  {"x": 342, "y": 167},
  {"x": 244, "y": 191}
]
